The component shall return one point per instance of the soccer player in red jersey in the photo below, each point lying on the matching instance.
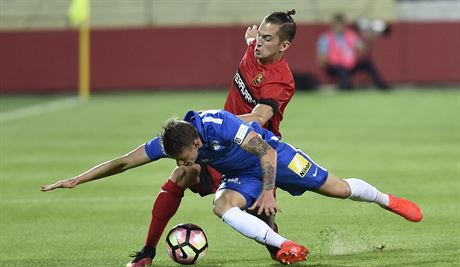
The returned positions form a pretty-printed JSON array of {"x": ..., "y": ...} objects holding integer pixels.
[
  {"x": 261, "y": 89},
  {"x": 263, "y": 83}
]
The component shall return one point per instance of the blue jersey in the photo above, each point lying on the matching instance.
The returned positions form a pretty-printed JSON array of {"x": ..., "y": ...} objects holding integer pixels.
[{"x": 222, "y": 134}]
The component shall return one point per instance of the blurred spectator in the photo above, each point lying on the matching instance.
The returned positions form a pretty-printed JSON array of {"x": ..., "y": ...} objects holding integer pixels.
[{"x": 342, "y": 52}]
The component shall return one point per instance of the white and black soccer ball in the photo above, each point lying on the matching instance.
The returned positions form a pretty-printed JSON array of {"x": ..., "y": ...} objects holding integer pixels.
[{"x": 186, "y": 243}]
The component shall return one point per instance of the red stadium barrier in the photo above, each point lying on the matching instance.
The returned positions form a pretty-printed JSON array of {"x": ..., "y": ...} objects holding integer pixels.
[{"x": 205, "y": 57}]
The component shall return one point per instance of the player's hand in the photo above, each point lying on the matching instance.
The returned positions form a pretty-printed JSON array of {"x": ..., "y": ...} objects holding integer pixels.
[
  {"x": 265, "y": 203},
  {"x": 69, "y": 183},
  {"x": 251, "y": 33}
]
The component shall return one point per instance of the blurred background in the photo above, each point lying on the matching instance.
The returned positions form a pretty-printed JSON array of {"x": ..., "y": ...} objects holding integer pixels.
[
  {"x": 197, "y": 44},
  {"x": 147, "y": 59}
]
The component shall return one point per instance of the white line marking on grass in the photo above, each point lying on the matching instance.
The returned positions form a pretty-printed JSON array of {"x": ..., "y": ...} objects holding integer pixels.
[
  {"x": 39, "y": 109},
  {"x": 47, "y": 199}
]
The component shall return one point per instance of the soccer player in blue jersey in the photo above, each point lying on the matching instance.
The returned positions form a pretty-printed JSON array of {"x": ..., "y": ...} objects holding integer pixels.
[{"x": 253, "y": 161}]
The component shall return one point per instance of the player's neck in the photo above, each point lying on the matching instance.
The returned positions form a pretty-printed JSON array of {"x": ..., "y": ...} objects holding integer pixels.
[{"x": 269, "y": 61}]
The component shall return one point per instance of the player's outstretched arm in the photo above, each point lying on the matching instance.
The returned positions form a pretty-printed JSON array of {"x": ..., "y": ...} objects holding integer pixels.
[
  {"x": 257, "y": 146},
  {"x": 133, "y": 159}
]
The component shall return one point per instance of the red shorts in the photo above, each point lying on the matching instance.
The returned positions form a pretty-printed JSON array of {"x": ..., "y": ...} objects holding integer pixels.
[{"x": 209, "y": 181}]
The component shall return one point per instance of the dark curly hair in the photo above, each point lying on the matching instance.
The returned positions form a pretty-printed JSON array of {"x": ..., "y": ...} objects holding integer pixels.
[{"x": 177, "y": 135}]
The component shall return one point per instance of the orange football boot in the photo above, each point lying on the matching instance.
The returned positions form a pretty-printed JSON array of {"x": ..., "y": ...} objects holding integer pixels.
[
  {"x": 405, "y": 208},
  {"x": 291, "y": 252}
]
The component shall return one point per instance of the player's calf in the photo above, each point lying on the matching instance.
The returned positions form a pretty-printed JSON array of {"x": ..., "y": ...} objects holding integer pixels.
[{"x": 272, "y": 250}]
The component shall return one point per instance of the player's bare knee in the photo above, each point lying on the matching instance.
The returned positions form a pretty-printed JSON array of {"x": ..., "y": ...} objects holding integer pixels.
[
  {"x": 185, "y": 176},
  {"x": 344, "y": 191},
  {"x": 220, "y": 207},
  {"x": 217, "y": 211},
  {"x": 177, "y": 174},
  {"x": 222, "y": 204},
  {"x": 335, "y": 187}
]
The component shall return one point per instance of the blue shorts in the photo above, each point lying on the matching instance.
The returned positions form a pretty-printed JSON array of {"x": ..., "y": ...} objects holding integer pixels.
[
  {"x": 249, "y": 187},
  {"x": 296, "y": 173}
]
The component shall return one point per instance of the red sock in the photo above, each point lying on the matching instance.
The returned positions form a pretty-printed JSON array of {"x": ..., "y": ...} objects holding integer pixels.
[{"x": 164, "y": 208}]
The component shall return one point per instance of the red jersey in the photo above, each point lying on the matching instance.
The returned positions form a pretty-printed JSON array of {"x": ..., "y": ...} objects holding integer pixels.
[{"x": 255, "y": 83}]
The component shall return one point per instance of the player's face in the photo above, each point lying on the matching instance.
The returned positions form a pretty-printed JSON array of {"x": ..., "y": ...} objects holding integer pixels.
[
  {"x": 189, "y": 155},
  {"x": 269, "y": 47}
]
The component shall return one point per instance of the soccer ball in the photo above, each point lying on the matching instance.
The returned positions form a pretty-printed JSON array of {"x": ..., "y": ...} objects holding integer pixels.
[{"x": 186, "y": 243}]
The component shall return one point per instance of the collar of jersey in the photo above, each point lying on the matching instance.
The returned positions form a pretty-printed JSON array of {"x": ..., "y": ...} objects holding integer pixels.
[{"x": 194, "y": 118}]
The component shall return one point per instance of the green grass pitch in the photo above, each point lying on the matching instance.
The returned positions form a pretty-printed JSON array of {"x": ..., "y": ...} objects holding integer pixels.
[{"x": 406, "y": 142}]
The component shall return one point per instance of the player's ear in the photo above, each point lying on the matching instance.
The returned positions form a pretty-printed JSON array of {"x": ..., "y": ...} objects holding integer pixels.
[
  {"x": 285, "y": 45},
  {"x": 197, "y": 143}
]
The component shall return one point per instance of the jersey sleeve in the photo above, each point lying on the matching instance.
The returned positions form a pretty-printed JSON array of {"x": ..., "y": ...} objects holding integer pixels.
[
  {"x": 234, "y": 130},
  {"x": 154, "y": 149},
  {"x": 277, "y": 94}
]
